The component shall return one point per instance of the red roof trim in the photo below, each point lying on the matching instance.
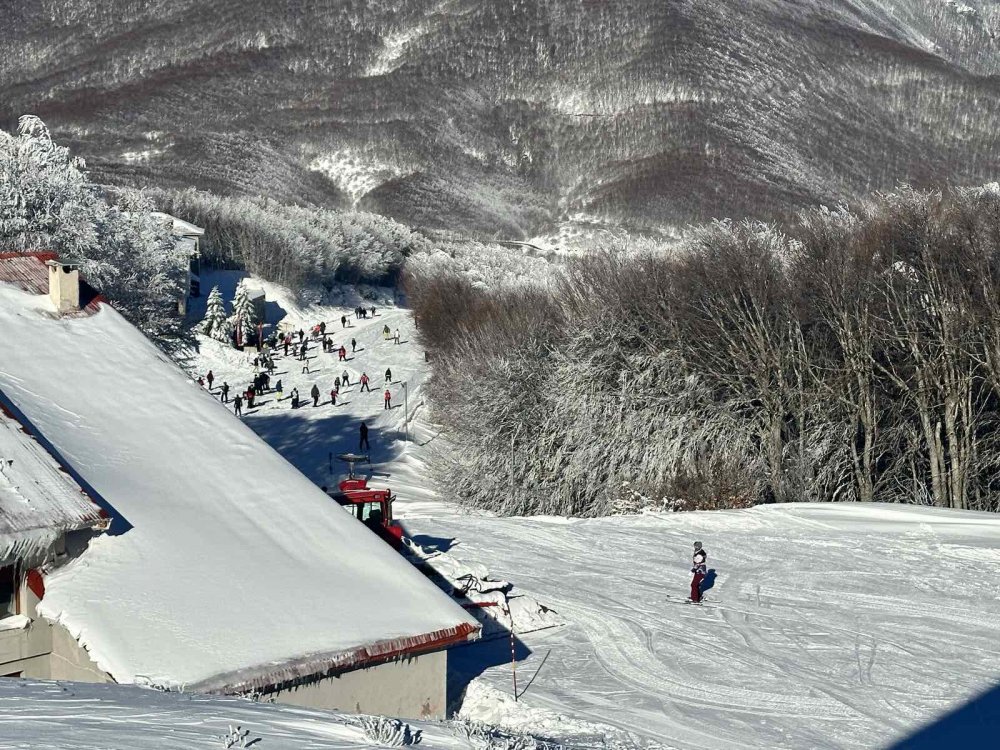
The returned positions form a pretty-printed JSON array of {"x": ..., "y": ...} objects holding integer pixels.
[
  {"x": 310, "y": 669},
  {"x": 42, "y": 255}
]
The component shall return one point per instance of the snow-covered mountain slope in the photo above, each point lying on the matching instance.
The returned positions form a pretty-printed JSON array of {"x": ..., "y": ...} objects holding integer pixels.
[
  {"x": 828, "y": 626},
  {"x": 507, "y": 117}
]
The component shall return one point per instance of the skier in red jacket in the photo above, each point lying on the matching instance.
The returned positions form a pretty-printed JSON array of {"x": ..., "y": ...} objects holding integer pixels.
[
  {"x": 699, "y": 569},
  {"x": 388, "y": 399}
]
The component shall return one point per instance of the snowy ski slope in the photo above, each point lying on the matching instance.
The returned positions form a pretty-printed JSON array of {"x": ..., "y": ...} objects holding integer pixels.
[{"x": 829, "y": 626}]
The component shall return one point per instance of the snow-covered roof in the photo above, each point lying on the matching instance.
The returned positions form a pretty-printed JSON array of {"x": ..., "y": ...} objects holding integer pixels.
[
  {"x": 38, "y": 500},
  {"x": 186, "y": 245},
  {"x": 179, "y": 226},
  {"x": 253, "y": 293},
  {"x": 234, "y": 570}
]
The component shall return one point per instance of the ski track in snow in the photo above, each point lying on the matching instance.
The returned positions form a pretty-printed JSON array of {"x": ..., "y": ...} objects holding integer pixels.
[{"x": 831, "y": 627}]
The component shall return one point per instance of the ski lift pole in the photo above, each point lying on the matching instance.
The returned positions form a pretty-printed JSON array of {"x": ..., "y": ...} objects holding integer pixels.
[
  {"x": 513, "y": 656},
  {"x": 406, "y": 414}
]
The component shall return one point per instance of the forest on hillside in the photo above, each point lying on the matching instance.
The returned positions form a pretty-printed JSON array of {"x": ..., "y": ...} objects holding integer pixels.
[
  {"x": 501, "y": 119},
  {"x": 845, "y": 355}
]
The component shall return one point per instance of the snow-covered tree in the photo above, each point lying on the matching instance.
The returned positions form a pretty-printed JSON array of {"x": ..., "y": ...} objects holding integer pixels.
[
  {"x": 48, "y": 203},
  {"x": 244, "y": 316},
  {"x": 216, "y": 324}
]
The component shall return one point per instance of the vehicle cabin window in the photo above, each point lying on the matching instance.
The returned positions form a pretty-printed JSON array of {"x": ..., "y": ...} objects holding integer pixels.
[
  {"x": 8, "y": 592},
  {"x": 368, "y": 508}
]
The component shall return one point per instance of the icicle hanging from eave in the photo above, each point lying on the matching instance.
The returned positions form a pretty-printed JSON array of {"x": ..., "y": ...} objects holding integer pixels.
[{"x": 28, "y": 548}]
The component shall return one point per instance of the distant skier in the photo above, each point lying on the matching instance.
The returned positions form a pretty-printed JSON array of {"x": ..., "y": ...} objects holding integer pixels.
[
  {"x": 238, "y": 406},
  {"x": 336, "y": 382},
  {"x": 251, "y": 395},
  {"x": 343, "y": 321},
  {"x": 295, "y": 398},
  {"x": 388, "y": 399},
  {"x": 333, "y": 396},
  {"x": 344, "y": 379},
  {"x": 354, "y": 346},
  {"x": 363, "y": 443},
  {"x": 699, "y": 569},
  {"x": 364, "y": 382},
  {"x": 373, "y": 311},
  {"x": 210, "y": 378},
  {"x": 388, "y": 375},
  {"x": 225, "y": 392},
  {"x": 385, "y": 332},
  {"x": 201, "y": 381},
  {"x": 285, "y": 343},
  {"x": 396, "y": 337},
  {"x": 315, "y": 394},
  {"x": 322, "y": 327},
  {"x": 278, "y": 388},
  {"x": 342, "y": 355}
]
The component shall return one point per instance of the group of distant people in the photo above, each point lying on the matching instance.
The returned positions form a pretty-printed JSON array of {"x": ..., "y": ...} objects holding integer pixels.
[{"x": 297, "y": 343}]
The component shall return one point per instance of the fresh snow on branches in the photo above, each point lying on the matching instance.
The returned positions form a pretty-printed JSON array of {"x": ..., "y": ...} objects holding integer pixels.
[
  {"x": 848, "y": 355},
  {"x": 216, "y": 324},
  {"x": 48, "y": 203}
]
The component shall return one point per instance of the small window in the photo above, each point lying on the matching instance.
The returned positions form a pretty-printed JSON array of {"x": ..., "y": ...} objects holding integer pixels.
[
  {"x": 8, "y": 592},
  {"x": 367, "y": 509}
]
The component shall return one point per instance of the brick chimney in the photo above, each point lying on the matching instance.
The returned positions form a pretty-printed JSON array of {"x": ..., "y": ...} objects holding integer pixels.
[{"x": 64, "y": 284}]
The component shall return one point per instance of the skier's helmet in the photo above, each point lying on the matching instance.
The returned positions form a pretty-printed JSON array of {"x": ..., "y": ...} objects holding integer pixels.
[{"x": 697, "y": 546}]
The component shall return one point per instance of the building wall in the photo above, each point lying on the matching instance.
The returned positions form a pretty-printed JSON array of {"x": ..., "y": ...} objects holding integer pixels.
[
  {"x": 410, "y": 688},
  {"x": 44, "y": 650},
  {"x": 25, "y": 650},
  {"x": 70, "y": 661}
]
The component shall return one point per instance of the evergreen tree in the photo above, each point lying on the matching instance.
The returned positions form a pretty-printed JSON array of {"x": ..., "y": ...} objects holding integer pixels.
[
  {"x": 215, "y": 324},
  {"x": 244, "y": 316}
]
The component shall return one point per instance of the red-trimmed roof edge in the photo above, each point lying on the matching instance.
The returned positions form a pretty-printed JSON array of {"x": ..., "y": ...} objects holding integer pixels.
[
  {"x": 270, "y": 678},
  {"x": 44, "y": 255}
]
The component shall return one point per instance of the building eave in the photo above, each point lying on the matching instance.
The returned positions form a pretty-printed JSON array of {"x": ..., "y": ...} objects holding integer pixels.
[{"x": 272, "y": 677}]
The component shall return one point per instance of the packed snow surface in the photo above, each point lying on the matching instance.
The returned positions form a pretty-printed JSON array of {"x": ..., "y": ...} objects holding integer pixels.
[
  {"x": 75, "y": 716},
  {"x": 828, "y": 626},
  {"x": 229, "y": 564}
]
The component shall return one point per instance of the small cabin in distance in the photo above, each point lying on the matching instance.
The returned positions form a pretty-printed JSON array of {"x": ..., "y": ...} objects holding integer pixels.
[{"x": 187, "y": 240}]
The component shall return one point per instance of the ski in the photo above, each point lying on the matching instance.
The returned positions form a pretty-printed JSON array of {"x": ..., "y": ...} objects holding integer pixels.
[{"x": 704, "y": 602}]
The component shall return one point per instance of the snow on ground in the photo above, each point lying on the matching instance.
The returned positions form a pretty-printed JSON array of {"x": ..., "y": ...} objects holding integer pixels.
[
  {"x": 76, "y": 716},
  {"x": 828, "y": 626}
]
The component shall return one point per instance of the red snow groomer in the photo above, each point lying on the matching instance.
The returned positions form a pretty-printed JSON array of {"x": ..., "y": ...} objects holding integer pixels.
[{"x": 372, "y": 507}]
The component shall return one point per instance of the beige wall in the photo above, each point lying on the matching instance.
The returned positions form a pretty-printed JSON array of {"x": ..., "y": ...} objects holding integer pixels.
[
  {"x": 26, "y": 650},
  {"x": 43, "y": 650},
  {"x": 70, "y": 661},
  {"x": 411, "y": 688}
]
